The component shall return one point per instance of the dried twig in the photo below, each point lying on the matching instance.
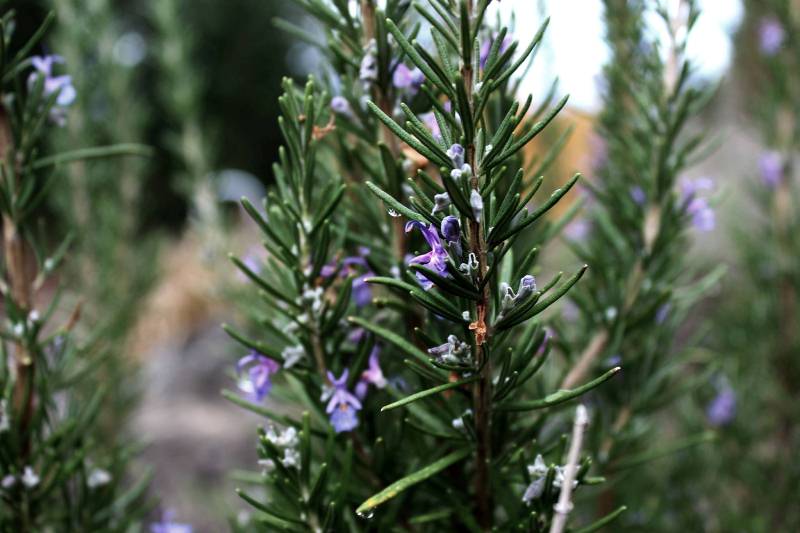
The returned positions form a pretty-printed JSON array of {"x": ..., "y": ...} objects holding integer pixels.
[{"x": 564, "y": 505}]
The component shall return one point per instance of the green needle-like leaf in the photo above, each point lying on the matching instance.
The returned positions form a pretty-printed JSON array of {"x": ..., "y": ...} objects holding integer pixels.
[
  {"x": 558, "y": 397},
  {"x": 420, "y": 475},
  {"x": 428, "y": 392}
]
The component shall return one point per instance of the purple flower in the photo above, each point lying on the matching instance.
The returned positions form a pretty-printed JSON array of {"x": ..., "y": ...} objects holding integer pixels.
[
  {"x": 436, "y": 259},
  {"x": 362, "y": 292},
  {"x": 577, "y": 230},
  {"x": 373, "y": 375},
  {"x": 722, "y": 408},
  {"x": 451, "y": 228},
  {"x": 340, "y": 105},
  {"x": 408, "y": 79},
  {"x": 692, "y": 187},
  {"x": 486, "y": 48},
  {"x": 456, "y": 154},
  {"x": 662, "y": 313},
  {"x": 259, "y": 368},
  {"x": 343, "y": 406},
  {"x": 771, "y": 166},
  {"x": 429, "y": 119},
  {"x": 770, "y": 36},
  {"x": 638, "y": 195},
  {"x": 61, "y": 85},
  {"x": 440, "y": 202},
  {"x": 702, "y": 214},
  {"x": 168, "y": 526}
]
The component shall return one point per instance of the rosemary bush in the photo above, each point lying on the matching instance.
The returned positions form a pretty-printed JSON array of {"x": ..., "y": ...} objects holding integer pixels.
[
  {"x": 58, "y": 470},
  {"x": 641, "y": 287},
  {"x": 399, "y": 327},
  {"x": 751, "y": 400}
]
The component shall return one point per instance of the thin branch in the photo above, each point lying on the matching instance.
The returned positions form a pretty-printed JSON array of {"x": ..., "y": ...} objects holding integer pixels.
[{"x": 564, "y": 505}]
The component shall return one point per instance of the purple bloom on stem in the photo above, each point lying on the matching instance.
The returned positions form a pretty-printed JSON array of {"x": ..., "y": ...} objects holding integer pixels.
[
  {"x": 168, "y": 526},
  {"x": 577, "y": 230},
  {"x": 456, "y": 154},
  {"x": 429, "y": 119},
  {"x": 61, "y": 85},
  {"x": 771, "y": 166},
  {"x": 257, "y": 381},
  {"x": 698, "y": 208},
  {"x": 702, "y": 214},
  {"x": 638, "y": 195},
  {"x": 440, "y": 202},
  {"x": 343, "y": 406},
  {"x": 362, "y": 292},
  {"x": 486, "y": 48},
  {"x": 770, "y": 36},
  {"x": 436, "y": 259},
  {"x": 722, "y": 408},
  {"x": 373, "y": 375},
  {"x": 451, "y": 228},
  {"x": 408, "y": 79},
  {"x": 340, "y": 105}
]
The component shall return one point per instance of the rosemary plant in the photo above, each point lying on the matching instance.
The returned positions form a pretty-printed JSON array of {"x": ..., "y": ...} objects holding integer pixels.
[
  {"x": 102, "y": 201},
  {"x": 751, "y": 401},
  {"x": 399, "y": 308},
  {"x": 641, "y": 288},
  {"x": 57, "y": 471}
]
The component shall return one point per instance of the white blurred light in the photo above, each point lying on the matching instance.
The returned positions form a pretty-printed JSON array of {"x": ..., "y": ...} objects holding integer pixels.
[
  {"x": 574, "y": 50},
  {"x": 129, "y": 50}
]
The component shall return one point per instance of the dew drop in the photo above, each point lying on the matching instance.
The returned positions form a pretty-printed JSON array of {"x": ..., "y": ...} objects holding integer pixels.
[{"x": 366, "y": 515}]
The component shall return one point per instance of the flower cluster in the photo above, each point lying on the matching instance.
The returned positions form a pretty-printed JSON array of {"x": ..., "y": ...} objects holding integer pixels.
[{"x": 59, "y": 87}]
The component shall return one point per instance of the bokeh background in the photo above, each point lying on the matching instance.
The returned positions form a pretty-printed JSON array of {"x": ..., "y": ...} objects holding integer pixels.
[{"x": 198, "y": 80}]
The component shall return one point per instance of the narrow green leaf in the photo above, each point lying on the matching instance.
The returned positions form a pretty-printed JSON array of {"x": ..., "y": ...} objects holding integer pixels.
[
  {"x": 393, "y": 204},
  {"x": 560, "y": 396},
  {"x": 96, "y": 152},
  {"x": 406, "y": 137},
  {"x": 392, "y": 338},
  {"x": 420, "y": 475},
  {"x": 607, "y": 519},
  {"x": 553, "y": 200},
  {"x": 428, "y": 392}
]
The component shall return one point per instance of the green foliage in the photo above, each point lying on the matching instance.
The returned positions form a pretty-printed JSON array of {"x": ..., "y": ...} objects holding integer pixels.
[
  {"x": 59, "y": 469},
  {"x": 639, "y": 289}
]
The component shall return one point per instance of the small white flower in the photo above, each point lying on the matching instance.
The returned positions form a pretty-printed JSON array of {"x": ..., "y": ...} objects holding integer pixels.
[
  {"x": 284, "y": 439},
  {"x": 476, "y": 202},
  {"x": 19, "y": 329},
  {"x": 267, "y": 466},
  {"x": 458, "y": 423},
  {"x": 292, "y": 354},
  {"x": 611, "y": 313},
  {"x": 34, "y": 317},
  {"x": 29, "y": 478},
  {"x": 97, "y": 478},
  {"x": 291, "y": 458},
  {"x": 8, "y": 482}
]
